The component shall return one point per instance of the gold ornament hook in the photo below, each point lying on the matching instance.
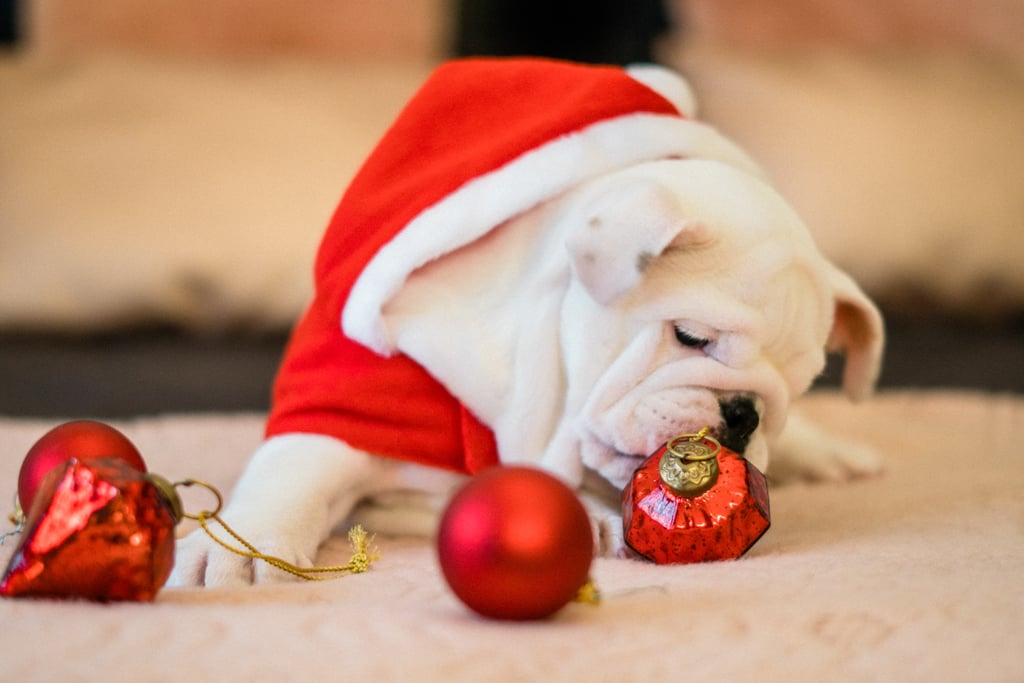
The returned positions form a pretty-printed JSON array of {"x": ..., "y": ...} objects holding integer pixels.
[
  {"x": 689, "y": 465},
  {"x": 205, "y": 514}
]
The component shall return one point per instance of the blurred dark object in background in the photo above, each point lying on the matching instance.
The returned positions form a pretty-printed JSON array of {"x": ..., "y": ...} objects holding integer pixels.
[
  {"x": 596, "y": 31},
  {"x": 143, "y": 371},
  {"x": 10, "y": 27},
  {"x": 159, "y": 370}
]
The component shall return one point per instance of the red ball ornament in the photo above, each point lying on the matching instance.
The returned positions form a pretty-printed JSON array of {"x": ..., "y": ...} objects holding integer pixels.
[
  {"x": 81, "y": 439},
  {"x": 515, "y": 543}
]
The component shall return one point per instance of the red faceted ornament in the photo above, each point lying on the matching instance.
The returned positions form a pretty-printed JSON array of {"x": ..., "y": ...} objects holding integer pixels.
[
  {"x": 695, "y": 501},
  {"x": 515, "y": 543},
  {"x": 81, "y": 439},
  {"x": 97, "y": 529}
]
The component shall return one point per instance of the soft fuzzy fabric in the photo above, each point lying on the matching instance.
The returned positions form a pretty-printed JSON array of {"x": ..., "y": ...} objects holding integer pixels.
[{"x": 913, "y": 576}]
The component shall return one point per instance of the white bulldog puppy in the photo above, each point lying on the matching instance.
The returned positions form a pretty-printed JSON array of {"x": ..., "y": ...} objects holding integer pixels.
[
  {"x": 644, "y": 302},
  {"x": 588, "y": 331}
]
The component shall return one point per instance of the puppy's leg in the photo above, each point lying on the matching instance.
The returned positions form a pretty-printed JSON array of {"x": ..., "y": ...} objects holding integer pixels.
[
  {"x": 410, "y": 502},
  {"x": 804, "y": 451},
  {"x": 603, "y": 504},
  {"x": 294, "y": 490}
]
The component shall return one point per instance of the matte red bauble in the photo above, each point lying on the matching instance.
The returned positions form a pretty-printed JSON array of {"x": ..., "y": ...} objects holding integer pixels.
[
  {"x": 81, "y": 439},
  {"x": 515, "y": 543}
]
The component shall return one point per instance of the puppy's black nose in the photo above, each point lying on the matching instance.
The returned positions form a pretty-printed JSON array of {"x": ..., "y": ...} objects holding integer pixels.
[{"x": 740, "y": 419}]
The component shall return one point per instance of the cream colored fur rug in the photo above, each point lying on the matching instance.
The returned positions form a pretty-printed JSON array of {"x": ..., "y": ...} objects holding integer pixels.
[{"x": 913, "y": 576}]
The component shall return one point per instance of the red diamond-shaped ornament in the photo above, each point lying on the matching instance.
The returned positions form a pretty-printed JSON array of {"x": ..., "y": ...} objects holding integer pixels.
[{"x": 97, "y": 529}]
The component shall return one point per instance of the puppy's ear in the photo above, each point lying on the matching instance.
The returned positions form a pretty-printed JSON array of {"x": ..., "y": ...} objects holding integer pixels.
[
  {"x": 858, "y": 332},
  {"x": 618, "y": 230}
]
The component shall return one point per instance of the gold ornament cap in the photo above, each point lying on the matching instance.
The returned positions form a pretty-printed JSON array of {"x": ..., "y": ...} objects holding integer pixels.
[
  {"x": 168, "y": 494},
  {"x": 689, "y": 465}
]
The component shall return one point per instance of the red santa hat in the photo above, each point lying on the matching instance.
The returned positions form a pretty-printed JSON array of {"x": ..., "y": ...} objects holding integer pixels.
[{"x": 482, "y": 141}]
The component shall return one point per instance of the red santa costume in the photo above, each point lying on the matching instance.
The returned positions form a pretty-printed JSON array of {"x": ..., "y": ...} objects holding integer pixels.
[{"x": 482, "y": 141}]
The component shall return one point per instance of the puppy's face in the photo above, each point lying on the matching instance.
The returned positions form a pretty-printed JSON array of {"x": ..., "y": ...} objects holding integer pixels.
[
  {"x": 698, "y": 300},
  {"x": 648, "y": 303}
]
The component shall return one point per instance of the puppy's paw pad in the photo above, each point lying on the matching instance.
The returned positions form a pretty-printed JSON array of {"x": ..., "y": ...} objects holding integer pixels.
[
  {"x": 858, "y": 460},
  {"x": 825, "y": 458},
  {"x": 201, "y": 561},
  {"x": 277, "y": 563},
  {"x": 190, "y": 558},
  {"x": 607, "y": 529}
]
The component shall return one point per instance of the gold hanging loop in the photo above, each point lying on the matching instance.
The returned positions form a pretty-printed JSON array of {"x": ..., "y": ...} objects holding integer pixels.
[{"x": 209, "y": 487}]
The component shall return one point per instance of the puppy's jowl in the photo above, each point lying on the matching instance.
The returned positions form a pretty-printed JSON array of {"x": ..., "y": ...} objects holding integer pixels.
[{"x": 546, "y": 263}]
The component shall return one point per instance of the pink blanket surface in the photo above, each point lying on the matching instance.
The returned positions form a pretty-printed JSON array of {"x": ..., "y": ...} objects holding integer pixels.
[{"x": 914, "y": 575}]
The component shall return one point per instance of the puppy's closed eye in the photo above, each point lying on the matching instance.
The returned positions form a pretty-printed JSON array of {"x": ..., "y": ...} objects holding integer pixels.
[{"x": 689, "y": 339}]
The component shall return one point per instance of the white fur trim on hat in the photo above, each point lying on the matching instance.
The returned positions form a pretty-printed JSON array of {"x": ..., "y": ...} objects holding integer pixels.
[
  {"x": 668, "y": 84},
  {"x": 491, "y": 199}
]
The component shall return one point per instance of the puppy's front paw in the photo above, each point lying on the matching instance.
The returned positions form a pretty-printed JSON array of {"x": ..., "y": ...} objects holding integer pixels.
[
  {"x": 201, "y": 561},
  {"x": 806, "y": 452},
  {"x": 606, "y": 525},
  {"x": 295, "y": 488}
]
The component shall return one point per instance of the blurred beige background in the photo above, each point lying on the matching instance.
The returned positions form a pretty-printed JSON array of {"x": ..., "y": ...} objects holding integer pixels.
[{"x": 177, "y": 161}]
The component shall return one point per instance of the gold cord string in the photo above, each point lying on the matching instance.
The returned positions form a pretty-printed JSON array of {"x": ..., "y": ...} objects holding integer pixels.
[
  {"x": 363, "y": 554},
  {"x": 360, "y": 561},
  {"x": 17, "y": 518}
]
